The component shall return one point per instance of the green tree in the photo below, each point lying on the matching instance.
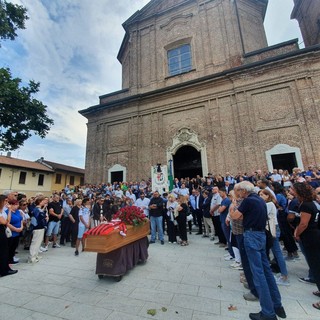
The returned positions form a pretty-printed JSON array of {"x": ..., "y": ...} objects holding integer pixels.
[
  {"x": 21, "y": 115},
  {"x": 12, "y": 18}
]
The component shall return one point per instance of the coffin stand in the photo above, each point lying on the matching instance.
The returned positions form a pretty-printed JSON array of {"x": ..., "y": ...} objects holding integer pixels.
[{"x": 118, "y": 254}]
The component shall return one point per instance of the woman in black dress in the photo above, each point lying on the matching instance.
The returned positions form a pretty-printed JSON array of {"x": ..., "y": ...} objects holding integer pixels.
[
  {"x": 307, "y": 231},
  {"x": 182, "y": 210}
]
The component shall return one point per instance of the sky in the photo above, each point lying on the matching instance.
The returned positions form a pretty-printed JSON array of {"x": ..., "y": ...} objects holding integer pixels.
[{"x": 71, "y": 47}]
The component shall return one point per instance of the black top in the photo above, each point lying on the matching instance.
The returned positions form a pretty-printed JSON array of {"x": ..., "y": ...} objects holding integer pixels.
[
  {"x": 310, "y": 208},
  {"x": 56, "y": 206},
  {"x": 159, "y": 210},
  {"x": 254, "y": 210},
  {"x": 75, "y": 213}
]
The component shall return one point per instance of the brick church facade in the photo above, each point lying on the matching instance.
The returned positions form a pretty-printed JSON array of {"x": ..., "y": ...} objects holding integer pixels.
[{"x": 203, "y": 90}]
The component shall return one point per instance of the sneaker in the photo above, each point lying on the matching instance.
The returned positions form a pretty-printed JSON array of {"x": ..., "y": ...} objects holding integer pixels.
[
  {"x": 238, "y": 267},
  {"x": 226, "y": 255},
  {"x": 307, "y": 280},
  {"x": 152, "y": 241},
  {"x": 33, "y": 261},
  {"x": 162, "y": 242},
  {"x": 76, "y": 253},
  {"x": 205, "y": 236},
  {"x": 229, "y": 258},
  {"x": 282, "y": 282},
  {"x": 43, "y": 249},
  {"x": 14, "y": 262},
  {"x": 234, "y": 264},
  {"x": 55, "y": 245},
  {"x": 250, "y": 297},
  {"x": 16, "y": 259},
  {"x": 212, "y": 239},
  {"x": 218, "y": 243}
]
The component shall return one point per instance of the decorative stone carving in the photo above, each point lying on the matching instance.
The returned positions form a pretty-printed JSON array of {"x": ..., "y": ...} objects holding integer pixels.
[{"x": 186, "y": 136}]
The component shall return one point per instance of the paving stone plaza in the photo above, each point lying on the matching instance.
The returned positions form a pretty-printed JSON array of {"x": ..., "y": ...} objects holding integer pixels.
[{"x": 193, "y": 282}]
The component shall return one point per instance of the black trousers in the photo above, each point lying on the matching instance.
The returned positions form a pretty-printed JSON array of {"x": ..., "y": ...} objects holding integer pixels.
[
  {"x": 74, "y": 233},
  {"x": 199, "y": 216},
  {"x": 310, "y": 242},
  {"x": 4, "y": 250},
  {"x": 218, "y": 229},
  {"x": 66, "y": 226},
  {"x": 13, "y": 243},
  {"x": 286, "y": 233}
]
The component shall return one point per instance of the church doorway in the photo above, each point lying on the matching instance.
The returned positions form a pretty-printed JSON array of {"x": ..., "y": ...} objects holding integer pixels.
[
  {"x": 187, "y": 162},
  {"x": 285, "y": 161},
  {"x": 116, "y": 176}
]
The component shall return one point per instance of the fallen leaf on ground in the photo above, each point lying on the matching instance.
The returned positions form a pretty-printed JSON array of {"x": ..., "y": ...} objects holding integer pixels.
[
  {"x": 152, "y": 312},
  {"x": 164, "y": 309},
  {"x": 232, "y": 307}
]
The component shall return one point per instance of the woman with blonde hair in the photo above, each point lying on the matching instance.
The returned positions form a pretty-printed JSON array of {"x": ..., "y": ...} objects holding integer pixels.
[
  {"x": 182, "y": 210},
  {"x": 172, "y": 204}
]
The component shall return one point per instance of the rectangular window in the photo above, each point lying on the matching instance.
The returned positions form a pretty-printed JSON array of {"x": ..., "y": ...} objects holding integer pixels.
[
  {"x": 22, "y": 177},
  {"x": 179, "y": 60},
  {"x": 40, "y": 179},
  {"x": 58, "y": 178},
  {"x": 71, "y": 180}
]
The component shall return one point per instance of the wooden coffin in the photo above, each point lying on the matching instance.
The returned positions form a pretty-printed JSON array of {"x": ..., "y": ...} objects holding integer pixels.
[{"x": 113, "y": 241}]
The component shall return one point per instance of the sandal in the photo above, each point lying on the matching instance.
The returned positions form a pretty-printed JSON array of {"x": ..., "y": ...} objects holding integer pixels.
[
  {"x": 316, "y": 293},
  {"x": 316, "y": 305}
]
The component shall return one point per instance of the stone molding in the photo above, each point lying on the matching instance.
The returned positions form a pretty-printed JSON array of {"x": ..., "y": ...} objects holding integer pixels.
[{"x": 187, "y": 137}]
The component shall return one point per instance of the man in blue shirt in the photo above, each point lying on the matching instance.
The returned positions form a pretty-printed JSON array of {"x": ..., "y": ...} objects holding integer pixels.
[{"x": 253, "y": 211}]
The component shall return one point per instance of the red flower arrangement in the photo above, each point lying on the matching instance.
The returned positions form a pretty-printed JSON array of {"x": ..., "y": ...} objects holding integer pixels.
[{"x": 131, "y": 215}]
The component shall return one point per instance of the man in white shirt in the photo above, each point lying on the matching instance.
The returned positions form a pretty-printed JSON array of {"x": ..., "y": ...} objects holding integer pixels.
[
  {"x": 183, "y": 191},
  {"x": 214, "y": 206},
  {"x": 143, "y": 203},
  {"x": 276, "y": 177}
]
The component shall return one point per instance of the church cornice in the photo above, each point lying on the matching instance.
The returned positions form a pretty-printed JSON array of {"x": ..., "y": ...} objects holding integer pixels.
[{"x": 229, "y": 72}]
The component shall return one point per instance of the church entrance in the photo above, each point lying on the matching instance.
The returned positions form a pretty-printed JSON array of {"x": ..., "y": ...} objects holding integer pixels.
[{"x": 187, "y": 162}]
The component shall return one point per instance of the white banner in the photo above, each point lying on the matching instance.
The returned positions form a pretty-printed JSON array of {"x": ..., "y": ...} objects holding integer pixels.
[{"x": 159, "y": 175}]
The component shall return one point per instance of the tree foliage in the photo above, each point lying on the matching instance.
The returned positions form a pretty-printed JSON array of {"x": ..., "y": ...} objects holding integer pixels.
[
  {"x": 21, "y": 115},
  {"x": 12, "y": 18}
]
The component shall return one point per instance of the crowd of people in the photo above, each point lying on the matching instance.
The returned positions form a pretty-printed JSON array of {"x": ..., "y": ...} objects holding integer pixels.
[{"x": 235, "y": 211}]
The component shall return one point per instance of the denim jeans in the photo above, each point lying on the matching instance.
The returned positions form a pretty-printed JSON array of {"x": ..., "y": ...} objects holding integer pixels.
[
  {"x": 263, "y": 279},
  {"x": 156, "y": 224},
  {"x": 276, "y": 250},
  {"x": 227, "y": 232},
  {"x": 245, "y": 264}
]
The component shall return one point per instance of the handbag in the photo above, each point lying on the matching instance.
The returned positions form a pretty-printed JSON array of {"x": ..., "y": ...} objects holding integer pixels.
[
  {"x": 8, "y": 232},
  {"x": 269, "y": 237},
  {"x": 189, "y": 217}
]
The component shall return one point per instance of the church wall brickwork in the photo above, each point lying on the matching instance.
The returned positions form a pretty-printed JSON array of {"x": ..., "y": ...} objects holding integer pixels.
[{"x": 239, "y": 106}]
